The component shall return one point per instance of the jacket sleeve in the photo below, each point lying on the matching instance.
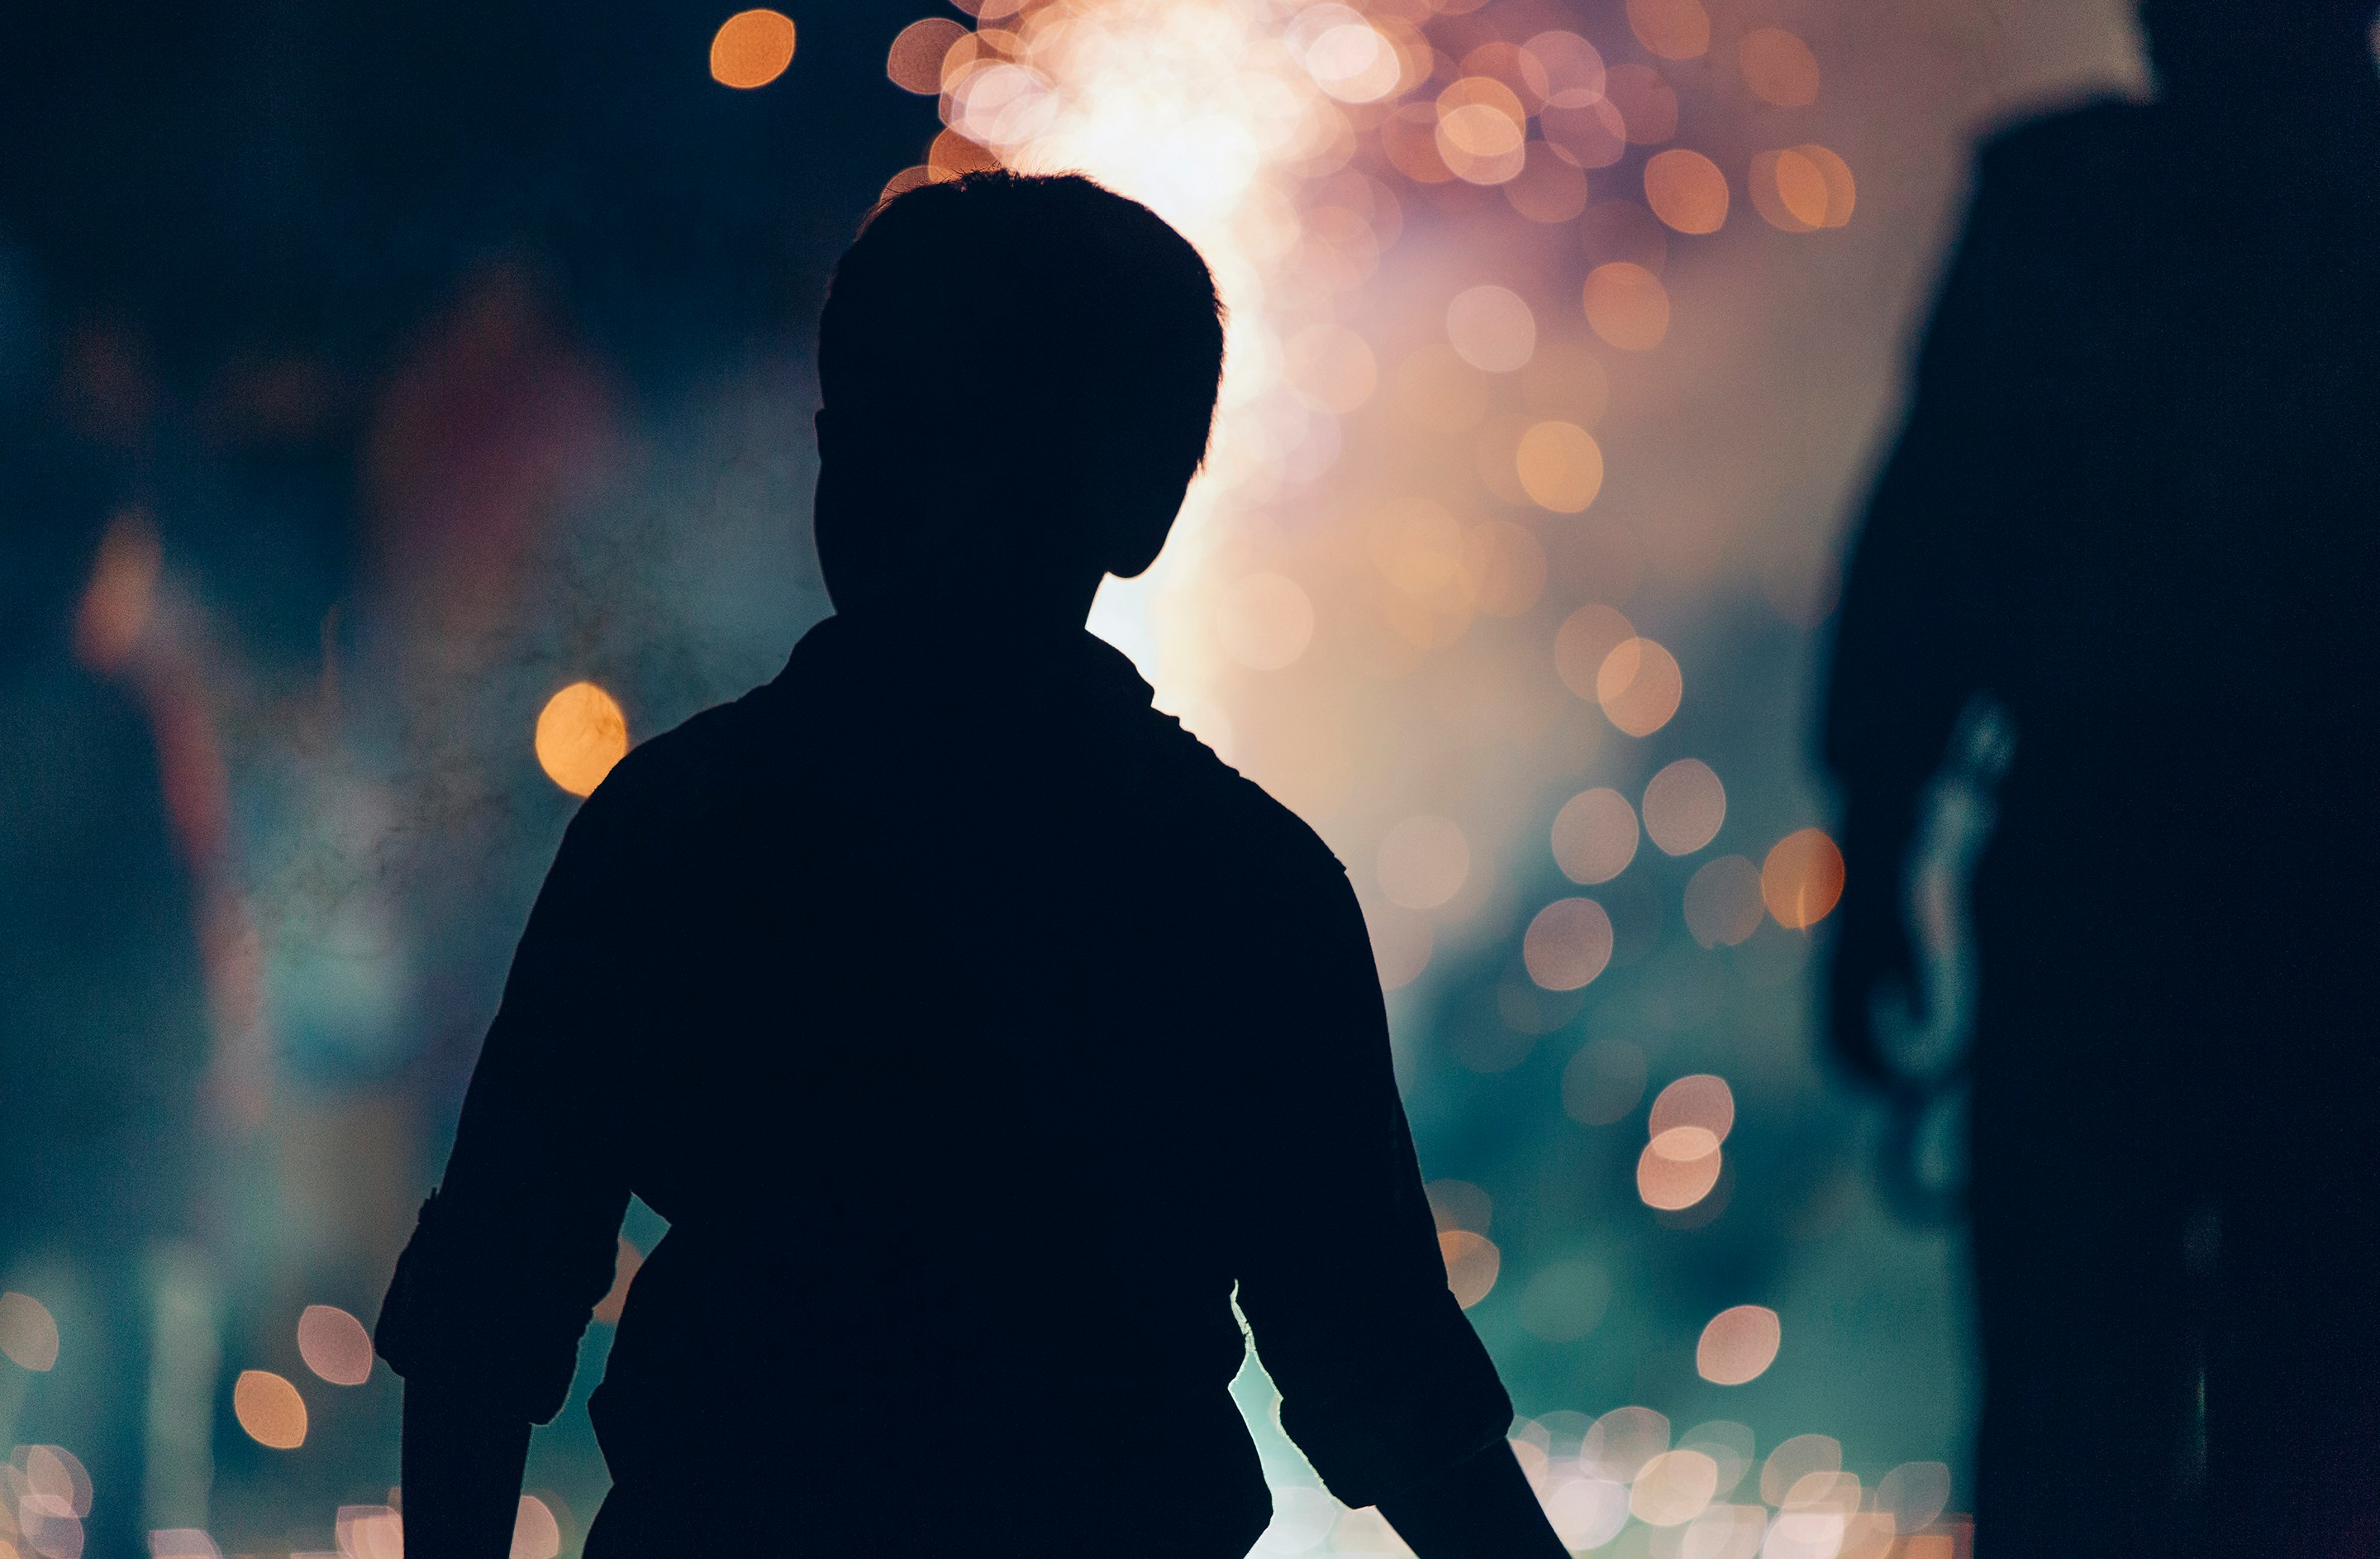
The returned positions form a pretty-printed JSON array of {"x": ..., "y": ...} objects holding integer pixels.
[
  {"x": 1384, "y": 1384},
  {"x": 517, "y": 1243}
]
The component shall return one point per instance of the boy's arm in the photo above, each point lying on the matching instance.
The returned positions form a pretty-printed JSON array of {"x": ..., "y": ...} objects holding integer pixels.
[
  {"x": 517, "y": 1243},
  {"x": 463, "y": 1460},
  {"x": 1383, "y": 1383}
]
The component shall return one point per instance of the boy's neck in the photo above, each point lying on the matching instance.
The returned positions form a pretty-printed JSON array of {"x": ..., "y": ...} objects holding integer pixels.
[{"x": 990, "y": 628}]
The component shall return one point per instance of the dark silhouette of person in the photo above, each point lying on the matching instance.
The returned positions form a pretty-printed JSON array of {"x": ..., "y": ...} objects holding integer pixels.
[
  {"x": 980, "y": 1035},
  {"x": 2132, "y": 508}
]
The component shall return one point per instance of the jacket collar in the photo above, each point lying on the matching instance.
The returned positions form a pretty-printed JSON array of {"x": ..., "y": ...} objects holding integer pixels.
[{"x": 963, "y": 662}]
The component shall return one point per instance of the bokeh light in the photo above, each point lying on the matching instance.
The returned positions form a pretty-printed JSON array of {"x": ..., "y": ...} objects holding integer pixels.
[
  {"x": 1842, "y": 190},
  {"x": 1723, "y": 902},
  {"x": 1777, "y": 66},
  {"x": 1686, "y": 190},
  {"x": 1788, "y": 192},
  {"x": 1808, "y": 1534},
  {"x": 1628, "y": 306},
  {"x": 1567, "y": 943},
  {"x": 1673, "y": 1488},
  {"x": 535, "y": 1533},
  {"x": 1802, "y": 881},
  {"x": 1702, "y": 1100},
  {"x": 364, "y": 1531},
  {"x": 1517, "y": 68},
  {"x": 1739, "y": 1344},
  {"x": 1639, "y": 686},
  {"x": 1622, "y": 1442},
  {"x": 1482, "y": 128},
  {"x": 1797, "y": 1458},
  {"x": 1491, "y": 328},
  {"x": 1587, "y": 134},
  {"x": 1869, "y": 1534},
  {"x": 1587, "y": 1513},
  {"x": 29, "y": 1334},
  {"x": 1573, "y": 67},
  {"x": 580, "y": 734},
  {"x": 334, "y": 1345},
  {"x": 1459, "y": 1204},
  {"x": 1670, "y": 1184},
  {"x": 1803, "y": 188},
  {"x": 1550, "y": 188},
  {"x": 1823, "y": 1490},
  {"x": 1671, "y": 29},
  {"x": 1729, "y": 1444},
  {"x": 1561, "y": 466},
  {"x": 54, "y": 1480},
  {"x": 914, "y": 62},
  {"x": 626, "y": 1262},
  {"x": 45, "y": 1494},
  {"x": 1729, "y": 1532},
  {"x": 1303, "y": 1516},
  {"x": 1686, "y": 805},
  {"x": 1585, "y": 641},
  {"x": 270, "y": 1409},
  {"x": 1594, "y": 835},
  {"x": 1684, "y": 1144},
  {"x": 751, "y": 49},
  {"x": 1647, "y": 103},
  {"x": 951, "y": 154},
  {"x": 1915, "y": 1495},
  {"x": 1472, "y": 1263},
  {"x": 1346, "y": 55}
]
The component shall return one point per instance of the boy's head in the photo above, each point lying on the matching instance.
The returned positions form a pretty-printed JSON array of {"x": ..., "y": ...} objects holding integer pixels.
[{"x": 1018, "y": 373}]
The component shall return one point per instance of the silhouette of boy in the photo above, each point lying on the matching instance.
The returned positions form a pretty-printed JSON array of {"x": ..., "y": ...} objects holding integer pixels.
[
  {"x": 2133, "y": 508},
  {"x": 978, "y": 1032}
]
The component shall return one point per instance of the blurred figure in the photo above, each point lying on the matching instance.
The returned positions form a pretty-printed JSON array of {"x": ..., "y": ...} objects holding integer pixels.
[
  {"x": 980, "y": 1035},
  {"x": 104, "y": 1032},
  {"x": 2131, "y": 508}
]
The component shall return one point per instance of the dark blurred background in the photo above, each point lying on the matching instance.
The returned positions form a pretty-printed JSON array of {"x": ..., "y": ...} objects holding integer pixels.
[{"x": 369, "y": 377}]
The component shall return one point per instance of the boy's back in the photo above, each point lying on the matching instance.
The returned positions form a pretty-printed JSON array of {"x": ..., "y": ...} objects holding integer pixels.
[
  {"x": 976, "y": 1031},
  {"x": 979, "y": 1033}
]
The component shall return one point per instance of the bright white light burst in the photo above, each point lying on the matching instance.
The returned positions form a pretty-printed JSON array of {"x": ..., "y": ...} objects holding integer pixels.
[{"x": 1214, "y": 112}]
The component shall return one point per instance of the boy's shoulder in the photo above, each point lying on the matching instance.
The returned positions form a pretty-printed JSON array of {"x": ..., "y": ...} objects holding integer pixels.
[
  {"x": 705, "y": 770},
  {"x": 1233, "y": 812},
  {"x": 684, "y": 773}
]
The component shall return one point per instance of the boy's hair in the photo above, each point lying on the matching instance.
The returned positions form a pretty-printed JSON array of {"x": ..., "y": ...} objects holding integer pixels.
[{"x": 1045, "y": 306}]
